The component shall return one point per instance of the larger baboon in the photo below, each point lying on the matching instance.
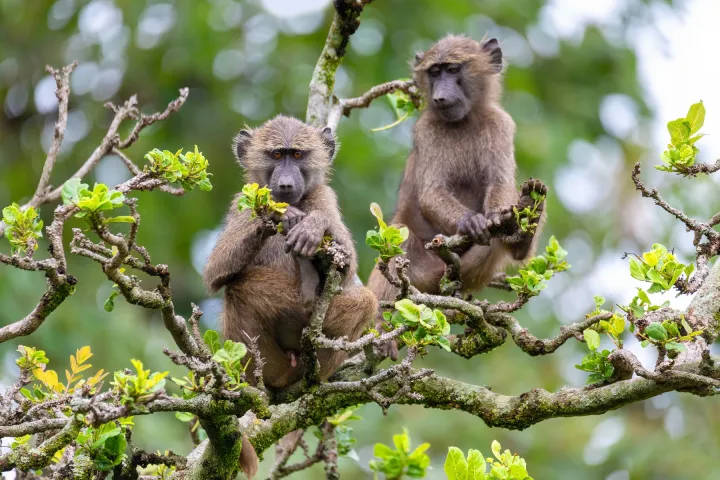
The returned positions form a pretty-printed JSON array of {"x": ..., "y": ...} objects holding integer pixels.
[
  {"x": 460, "y": 176},
  {"x": 270, "y": 284}
]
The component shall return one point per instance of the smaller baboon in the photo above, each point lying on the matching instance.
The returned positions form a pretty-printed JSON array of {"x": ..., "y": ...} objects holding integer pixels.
[
  {"x": 460, "y": 176},
  {"x": 270, "y": 282}
]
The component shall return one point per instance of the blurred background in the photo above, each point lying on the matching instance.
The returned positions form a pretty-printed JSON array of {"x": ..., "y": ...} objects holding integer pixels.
[{"x": 590, "y": 85}]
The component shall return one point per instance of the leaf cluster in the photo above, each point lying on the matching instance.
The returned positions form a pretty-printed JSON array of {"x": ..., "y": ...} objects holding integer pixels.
[
  {"x": 93, "y": 202},
  {"x": 596, "y": 362},
  {"x": 667, "y": 334},
  {"x": 260, "y": 202},
  {"x": 49, "y": 385},
  {"x": 229, "y": 356},
  {"x": 660, "y": 268},
  {"x": 682, "y": 152},
  {"x": 188, "y": 169},
  {"x": 614, "y": 327},
  {"x": 343, "y": 432},
  {"x": 505, "y": 465},
  {"x": 23, "y": 227},
  {"x": 403, "y": 106},
  {"x": 532, "y": 279},
  {"x": 106, "y": 444},
  {"x": 527, "y": 218},
  {"x": 399, "y": 462},
  {"x": 426, "y": 326},
  {"x": 387, "y": 240},
  {"x": 138, "y": 387},
  {"x": 161, "y": 471}
]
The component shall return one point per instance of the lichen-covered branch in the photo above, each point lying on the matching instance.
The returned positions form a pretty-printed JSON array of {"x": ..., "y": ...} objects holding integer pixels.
[
  {"x": 532, "y": 345},
  {"x": 60, "y": 284},
  {"x": 322, "y": 84}
]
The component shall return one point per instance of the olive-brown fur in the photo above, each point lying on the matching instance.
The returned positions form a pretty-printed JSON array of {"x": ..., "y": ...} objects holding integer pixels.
[
  {"x": 459, "y": 169},
  {"x": 269, "y": 291}
]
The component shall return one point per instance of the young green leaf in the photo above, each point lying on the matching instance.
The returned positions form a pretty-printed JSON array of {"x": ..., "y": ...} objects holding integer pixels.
[
  {"x": 456, "y": 467},
  {"x": 592, "y": 338}
]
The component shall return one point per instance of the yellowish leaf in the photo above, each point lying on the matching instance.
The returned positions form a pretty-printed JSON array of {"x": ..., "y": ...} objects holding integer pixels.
[
  {"x": 82, "y": 368},
  {"x": 95, "y": 379},
  {"x": 83, "y": 354}
]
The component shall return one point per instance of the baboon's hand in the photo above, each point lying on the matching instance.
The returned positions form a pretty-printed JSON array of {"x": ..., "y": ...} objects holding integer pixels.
[
  {"x": 304, "y": 238},
  {"x": 292, "y": 217},
  {"x": 496, "y": 221},
  {"x": 475, "y": 226},
  {"x": 388, "y": 348},
  {"x": 532, "y": 185}
]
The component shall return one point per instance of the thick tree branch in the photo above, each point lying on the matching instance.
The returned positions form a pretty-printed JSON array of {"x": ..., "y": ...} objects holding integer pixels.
[
  {"x": 322, "y": 84},
  {"x": 532, "y": 345}
]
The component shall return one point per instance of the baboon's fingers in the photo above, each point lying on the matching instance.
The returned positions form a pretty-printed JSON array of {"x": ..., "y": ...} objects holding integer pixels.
[
  {"x": 311, "y": 246},
  {"x": 300, "y": 243}
]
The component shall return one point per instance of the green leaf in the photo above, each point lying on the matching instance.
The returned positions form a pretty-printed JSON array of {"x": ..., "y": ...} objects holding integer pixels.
[
  {"x": 120, "y": 219},
  {"x": 679, "y": 131},
  {"x": 675, "y": 346},
  {"x": 212, "y": 339},
  {"x": 184, "y": 416},
  {"x": 377, "y": 213},
  {"x": 653, "y": 275},
  {"x": 444, "y": 343},
  {"x": 599, "y": 300},
  {"x": 592, "y": 338},
  {"x": 380, "y": 450},
  {"x": 402, "y": 441},
  {"x": 689, "y": 270},
  {"x": 112, "y": 452},
  {"x": 456, "y": 468},
  {"x": 637, "y": 269},
  {"x": 403, "y": 106},
  {"x": 71, "y": 191},
  {"x": 408, "y": 309},
  {"x": 475, "y": 465},
  {"x": 495, "y": 447},
  {"x": 696, "y": 116},
  {"x": 656, "y": 331}
]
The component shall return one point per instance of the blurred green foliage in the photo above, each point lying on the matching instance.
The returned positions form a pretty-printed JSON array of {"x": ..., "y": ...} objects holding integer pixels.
[{"x": 244, "y": 65}]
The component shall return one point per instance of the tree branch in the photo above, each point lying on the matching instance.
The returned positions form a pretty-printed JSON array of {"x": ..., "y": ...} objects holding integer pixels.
[{"x": 322, "y": 84}]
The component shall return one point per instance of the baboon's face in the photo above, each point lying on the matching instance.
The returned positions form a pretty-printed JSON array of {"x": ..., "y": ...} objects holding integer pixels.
[
  {"x": 287, "y": 155},
  {"x": 448, "y": 95},
  {"x": 457, "y": 75},
  {"x": 286, "y": 179}
]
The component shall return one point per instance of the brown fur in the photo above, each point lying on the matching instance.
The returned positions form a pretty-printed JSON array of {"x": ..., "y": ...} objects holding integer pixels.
[
  {"x": 457, "y": 169},
  {"x": 266, "y": 289}
]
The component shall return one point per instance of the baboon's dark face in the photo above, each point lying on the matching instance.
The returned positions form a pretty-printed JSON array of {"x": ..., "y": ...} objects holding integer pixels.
[
  {"x": 287, "y": 155},
  {"x": 448, "y": 95},
  {"x": 286, "y": 179}
]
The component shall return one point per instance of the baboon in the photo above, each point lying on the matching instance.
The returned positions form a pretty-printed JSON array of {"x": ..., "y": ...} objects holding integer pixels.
[
  {"x": 460, "y": 175},
  {"x": 270, "y": 283}
]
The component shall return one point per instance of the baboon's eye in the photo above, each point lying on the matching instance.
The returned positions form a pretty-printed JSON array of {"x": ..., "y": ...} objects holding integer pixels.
[
  {"x": 453, "y": 68},
  {"x": 434, "y": 71},
  {"x": 298, "y": 154},
  {"x": 277, "y": 154}
]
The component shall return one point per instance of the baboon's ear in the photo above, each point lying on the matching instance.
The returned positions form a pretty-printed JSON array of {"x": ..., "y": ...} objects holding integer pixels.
[
  {"x": 419, "y": 56},
  {"x": 493, "y": 48},
  {"x": 328, "y": 138},
  {"x": 240, "y": 145}
]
